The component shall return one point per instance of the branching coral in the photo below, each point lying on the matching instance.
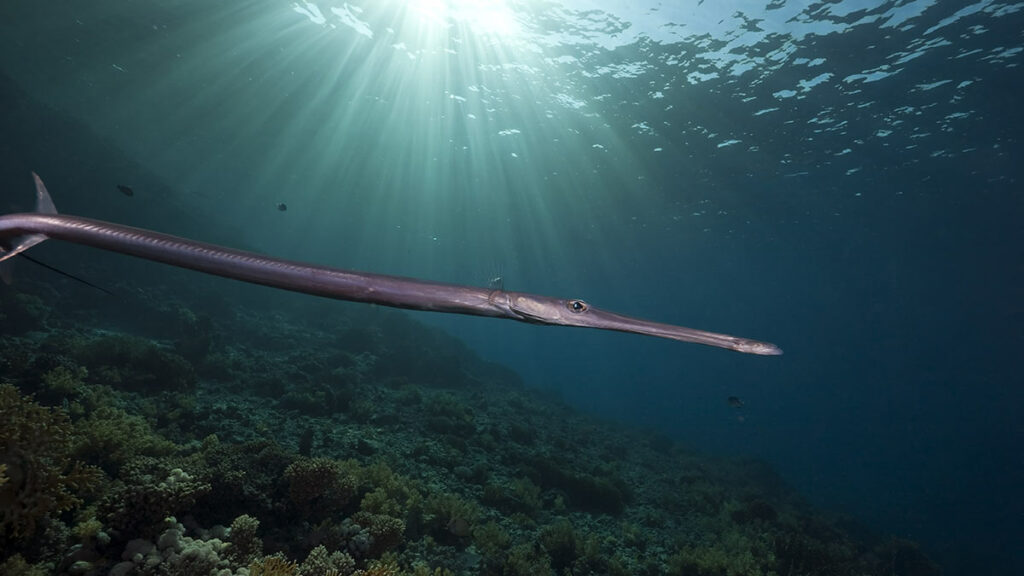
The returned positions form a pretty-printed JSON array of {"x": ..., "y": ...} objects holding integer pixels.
[
  {"x": 62, "y": 381},
  {"x": 320, "y": 563},
  {"x": 423, "y": 570},
  {"x": 150, "y": 493},
  {"x": 380, "y": 568},
  {"x": 732, "y": 553},
  {"x": 521, "y": 496},
  {"x": 110, "y": 437},
  {"x": 17, "y": 566},
  {"x": 492, "y": 543},
  {"x": 560, "y": 541},
  {"x": 450, "y": 518},
  {"x": 246, "y": 546},
  {"x": 247, "y": 477},
  {"x": 41, "y": 479},
  {"x": 527, "y": 560},
  {"x": 385, "y": 531},
  {"x": 131, "y": 363},
  {"x": 388, "y": 493},
  {"x": 272, "y": 566},
  {"x": 319, "y": 486}
]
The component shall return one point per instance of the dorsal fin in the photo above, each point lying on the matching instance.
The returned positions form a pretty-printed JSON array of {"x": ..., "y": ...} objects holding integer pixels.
[
  {"x": 17, "y": 245},
  {"x": 44, "y": 204}
]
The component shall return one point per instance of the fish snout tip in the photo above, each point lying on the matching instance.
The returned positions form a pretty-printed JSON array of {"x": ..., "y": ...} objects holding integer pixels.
[{"x": 759, "y": 348}]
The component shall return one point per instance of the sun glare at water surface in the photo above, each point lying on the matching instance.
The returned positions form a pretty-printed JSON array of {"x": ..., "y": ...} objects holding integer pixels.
[{"x": 488, "y": 17}]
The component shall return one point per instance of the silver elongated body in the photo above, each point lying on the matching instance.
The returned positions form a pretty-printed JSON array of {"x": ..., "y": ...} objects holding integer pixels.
[{"x": 18, "y": 232}]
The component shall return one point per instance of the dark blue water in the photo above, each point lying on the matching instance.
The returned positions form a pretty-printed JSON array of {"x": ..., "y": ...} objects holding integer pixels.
[{"x": 841, "y": 178}]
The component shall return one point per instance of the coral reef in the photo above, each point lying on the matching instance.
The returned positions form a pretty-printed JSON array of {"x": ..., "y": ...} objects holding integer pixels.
[
  {"x": 319, "y": 487},
  {"x": 246, "y": 547},
  {"x": 16, "y": 565},
  {"x": 21, "y": 312},
  {"x": 172, "y": 553},
  {"x": 147, "y": 492},
  {"x": 133, "y": 363},
  {"x": 369, "y": 445},
  {"x": 272, "y": 566},
  {"x": 41, "y": 479},
  {"x": 110, "y": 437}
]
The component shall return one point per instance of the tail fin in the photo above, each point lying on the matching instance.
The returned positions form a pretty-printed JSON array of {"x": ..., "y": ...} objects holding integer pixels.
[{"x": 44, "y": 205}]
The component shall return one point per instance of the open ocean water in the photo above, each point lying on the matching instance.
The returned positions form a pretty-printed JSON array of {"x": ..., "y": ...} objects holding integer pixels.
[{"x": 842, "y": 178}]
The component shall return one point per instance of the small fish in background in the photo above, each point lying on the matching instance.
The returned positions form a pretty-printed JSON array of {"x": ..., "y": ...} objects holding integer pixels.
[
  {"x": 737, "y": 403},
  {"x": 126, "y": 190},
  {"x": 281, "y": 206},
  {"x": 496, "y": 283}
]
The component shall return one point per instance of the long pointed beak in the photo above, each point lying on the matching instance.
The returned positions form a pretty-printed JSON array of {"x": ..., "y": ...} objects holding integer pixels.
[{"x": 594, "y": 318}]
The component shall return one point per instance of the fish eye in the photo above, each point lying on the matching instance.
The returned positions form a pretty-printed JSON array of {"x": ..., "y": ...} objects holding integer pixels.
[{"x": 576, "y": 306}]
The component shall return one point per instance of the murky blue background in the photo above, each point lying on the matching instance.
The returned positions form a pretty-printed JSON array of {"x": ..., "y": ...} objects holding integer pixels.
[{"x": 841, "y": 178}]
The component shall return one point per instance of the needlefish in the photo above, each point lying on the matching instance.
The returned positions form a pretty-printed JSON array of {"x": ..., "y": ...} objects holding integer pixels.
[{"x": 19, "y": 232}]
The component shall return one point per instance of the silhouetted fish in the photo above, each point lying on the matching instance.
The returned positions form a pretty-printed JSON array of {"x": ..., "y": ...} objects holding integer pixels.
[
  {"x": 734, "y": 401},
  {"x": 282, "y": 206},
  {"x": 126, "y": 190},
  {"x": 19, "y": 232}
]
